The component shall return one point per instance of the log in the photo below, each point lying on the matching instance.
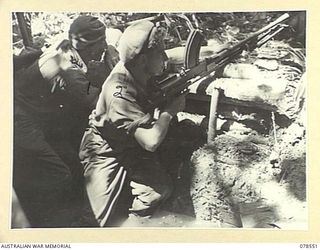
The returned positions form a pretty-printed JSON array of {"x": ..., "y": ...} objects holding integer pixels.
[
  {"x": 266, "y": 94},
  {"x": 241, "y": 70}
]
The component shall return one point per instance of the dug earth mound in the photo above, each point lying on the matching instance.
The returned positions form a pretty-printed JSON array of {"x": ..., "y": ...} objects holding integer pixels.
[{"x": 237, "y": 181}]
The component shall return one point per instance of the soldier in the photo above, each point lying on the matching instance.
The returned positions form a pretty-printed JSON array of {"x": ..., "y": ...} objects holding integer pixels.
[
  {"x": 52, "y": 101},
  {"x": 120, "y": 145}
]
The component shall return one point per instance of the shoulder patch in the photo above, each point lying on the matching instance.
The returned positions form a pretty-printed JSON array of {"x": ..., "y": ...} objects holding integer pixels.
[{"x": 123, "y": 91}]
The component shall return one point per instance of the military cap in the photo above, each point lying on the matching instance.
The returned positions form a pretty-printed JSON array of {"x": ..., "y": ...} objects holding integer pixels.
[
  {"x": 86, "y": 30},
  {"x": 137, "y": 37}
]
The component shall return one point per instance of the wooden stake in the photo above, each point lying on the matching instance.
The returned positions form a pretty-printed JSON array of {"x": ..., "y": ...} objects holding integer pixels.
[{"x": 213, "y": 115}]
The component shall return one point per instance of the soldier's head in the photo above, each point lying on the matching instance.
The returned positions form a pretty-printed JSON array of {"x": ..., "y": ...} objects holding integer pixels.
[
  {"x": 141, "y": 46},
  {"x": 87, "y": 36}
]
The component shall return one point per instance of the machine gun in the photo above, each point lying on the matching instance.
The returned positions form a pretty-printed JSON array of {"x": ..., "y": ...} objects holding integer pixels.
[{"x": 169, "y": 88}]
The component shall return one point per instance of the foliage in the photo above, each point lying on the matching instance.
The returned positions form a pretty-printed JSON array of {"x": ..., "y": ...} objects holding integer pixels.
[{"x": 46, "y": 27}]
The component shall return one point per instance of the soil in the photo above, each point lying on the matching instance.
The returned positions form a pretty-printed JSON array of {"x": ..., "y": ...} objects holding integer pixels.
[
  {"x": 251, "y": 177},
  {"x": 242, "y": 179}
]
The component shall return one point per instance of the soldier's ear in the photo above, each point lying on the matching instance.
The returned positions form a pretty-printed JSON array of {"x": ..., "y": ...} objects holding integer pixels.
[
  {"x": 142, "y": 60},
  {"x": 139, "y": 61}
]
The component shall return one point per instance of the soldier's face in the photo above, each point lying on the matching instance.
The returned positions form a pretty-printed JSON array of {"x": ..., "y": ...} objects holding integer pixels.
[
  {"x": 156, "y": 60},
  {"x": 94, "y": 51},
  {"x": 97, "y": 50}
]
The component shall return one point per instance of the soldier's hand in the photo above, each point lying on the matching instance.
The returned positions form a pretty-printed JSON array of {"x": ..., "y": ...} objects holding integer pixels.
[{"x": 177, "y": 105}]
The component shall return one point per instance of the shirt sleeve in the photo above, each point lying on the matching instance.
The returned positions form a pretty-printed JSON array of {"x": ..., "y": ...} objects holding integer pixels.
[
  {"x": 126, "y": 114},
  {"x": 26, "y": 59}
]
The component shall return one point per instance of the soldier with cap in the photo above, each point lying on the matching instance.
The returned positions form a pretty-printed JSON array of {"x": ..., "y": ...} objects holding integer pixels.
[
  {"x": 119, "y": 147},
  {"x": 52, "y": 100}
]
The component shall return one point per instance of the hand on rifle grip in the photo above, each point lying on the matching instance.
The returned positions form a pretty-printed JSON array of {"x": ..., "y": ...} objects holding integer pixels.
[{"x": 177, "y": 105}]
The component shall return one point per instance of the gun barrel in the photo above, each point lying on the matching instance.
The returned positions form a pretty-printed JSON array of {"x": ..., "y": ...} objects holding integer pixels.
[
  {"x": 193, "y": 68},
  {"x": 262, "y": 30},
  {"x": 275, "y": 22},
  {"x": 268, "y": 37}
]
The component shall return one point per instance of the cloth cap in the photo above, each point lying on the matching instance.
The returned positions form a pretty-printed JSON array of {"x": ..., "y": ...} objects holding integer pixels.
[
  {"x": 86, "y": 30},
  {"x": 135, "y": 38}
]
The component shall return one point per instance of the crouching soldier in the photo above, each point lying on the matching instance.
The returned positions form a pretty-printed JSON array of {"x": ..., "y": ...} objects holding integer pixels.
[
  {"x": 119, "y": 147},
  {"x": 52, "y": 99}
]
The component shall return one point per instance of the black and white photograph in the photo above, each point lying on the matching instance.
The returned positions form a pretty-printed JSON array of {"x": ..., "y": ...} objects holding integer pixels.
[{"x": 159, "y": 120}]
